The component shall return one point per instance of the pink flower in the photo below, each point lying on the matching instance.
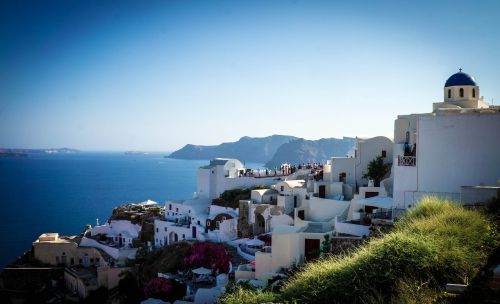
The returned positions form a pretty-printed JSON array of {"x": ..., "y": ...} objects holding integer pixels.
[{"x": 157, "y": 287}]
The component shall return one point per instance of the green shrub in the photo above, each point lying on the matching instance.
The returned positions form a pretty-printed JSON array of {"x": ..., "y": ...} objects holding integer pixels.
[{"x": 247, "y": 296}]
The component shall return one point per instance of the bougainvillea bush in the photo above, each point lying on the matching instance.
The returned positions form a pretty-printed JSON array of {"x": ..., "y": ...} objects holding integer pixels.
[
  {"x": 158, "y": 288},
  {"x": 209, "y": 255},
  {"x": 164, "y": 289}
]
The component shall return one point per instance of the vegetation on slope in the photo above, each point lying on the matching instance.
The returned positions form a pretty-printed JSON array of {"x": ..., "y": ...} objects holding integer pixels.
[
  {"x": 437, "y": 242},
  {"x": 231, "y": 198}
]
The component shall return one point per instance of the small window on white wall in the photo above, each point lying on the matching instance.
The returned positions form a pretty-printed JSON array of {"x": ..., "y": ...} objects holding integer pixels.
[
  {"x": 461, "y": 92},
  {"x": 473, "y": 93},
  {"x": 449, "y": 93}
]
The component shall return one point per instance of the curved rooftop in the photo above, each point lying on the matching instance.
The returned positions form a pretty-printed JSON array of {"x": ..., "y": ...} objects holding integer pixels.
[{"x": 460, "y": 79}]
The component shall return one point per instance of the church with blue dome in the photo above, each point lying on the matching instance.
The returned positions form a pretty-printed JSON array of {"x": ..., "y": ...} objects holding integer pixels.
[
  {"x": 451, "y": 153},
  {"x": 461, "y": 92}
]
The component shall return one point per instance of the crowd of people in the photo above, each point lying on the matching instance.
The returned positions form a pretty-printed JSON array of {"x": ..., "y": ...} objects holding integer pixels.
[{"x": 284, "y": 170}]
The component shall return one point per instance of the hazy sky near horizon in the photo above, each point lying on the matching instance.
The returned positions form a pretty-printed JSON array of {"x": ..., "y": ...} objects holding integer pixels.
[{"x": 155, "y": 75}]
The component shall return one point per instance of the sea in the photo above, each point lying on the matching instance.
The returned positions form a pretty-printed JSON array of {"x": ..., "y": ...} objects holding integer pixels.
[{"x": 62, "y": 192}]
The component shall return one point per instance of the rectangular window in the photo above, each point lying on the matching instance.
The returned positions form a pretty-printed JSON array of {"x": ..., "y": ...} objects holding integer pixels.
[
  {"x": 165, "y": 228},
  {"x": 384, "y": 153},
  {"x": 176, "y": 209},
  {"x": 157, "y": 230},
  {"x": 282, "y": 188},
  {"x": 169, "y": 206}
]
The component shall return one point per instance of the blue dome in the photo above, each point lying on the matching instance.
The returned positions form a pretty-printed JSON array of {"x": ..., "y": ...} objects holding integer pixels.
[{"x": 460, "y": 79}]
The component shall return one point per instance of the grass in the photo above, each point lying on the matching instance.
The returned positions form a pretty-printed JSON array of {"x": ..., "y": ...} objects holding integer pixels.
[{"x": 437, "y": 242}]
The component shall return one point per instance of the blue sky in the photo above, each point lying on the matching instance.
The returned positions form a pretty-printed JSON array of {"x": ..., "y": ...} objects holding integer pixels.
[{"x": 145, "y": 75}]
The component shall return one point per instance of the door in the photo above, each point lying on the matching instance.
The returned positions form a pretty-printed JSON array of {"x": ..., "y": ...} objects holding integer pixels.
[
  {"x": 311, "y": 249},
  {"x": 322, "y": 191},
  {"x": 193, "y": 232},
  {"x": 301, "y": 214}
]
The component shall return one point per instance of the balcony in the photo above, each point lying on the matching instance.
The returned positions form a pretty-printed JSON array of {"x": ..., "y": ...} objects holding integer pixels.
[{"x": 407, "y": 161}]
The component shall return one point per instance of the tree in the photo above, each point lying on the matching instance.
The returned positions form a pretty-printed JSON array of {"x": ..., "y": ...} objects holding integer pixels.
[
  {"x": 377, "y": 170},
  {"x": 128, "y": 289},
  {"x": 166, "y": 259},
  {"x": 326, "y": 245}
]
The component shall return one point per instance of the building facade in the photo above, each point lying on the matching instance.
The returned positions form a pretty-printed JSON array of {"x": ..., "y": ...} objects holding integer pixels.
[{"x": 454, "y": 147}]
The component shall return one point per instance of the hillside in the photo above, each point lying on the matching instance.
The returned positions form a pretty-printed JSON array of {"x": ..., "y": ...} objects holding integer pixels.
[
  {"x": 309, "y": 151},
  {"x": 437, "y": 242},
  {"x": 247, "y": 149}
]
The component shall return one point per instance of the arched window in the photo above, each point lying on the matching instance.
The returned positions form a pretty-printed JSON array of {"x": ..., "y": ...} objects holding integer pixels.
[
  {"x": 449, "y": 93},
  {"x": 473, "y": 93},
  {"x": 461, "y": 92}
]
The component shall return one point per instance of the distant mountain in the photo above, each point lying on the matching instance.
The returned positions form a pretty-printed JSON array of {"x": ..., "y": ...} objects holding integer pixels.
[
  {"x": 25, "y": 152},
  {"x": 309, "y": 151},
  {"x": 247, "y": 149}
]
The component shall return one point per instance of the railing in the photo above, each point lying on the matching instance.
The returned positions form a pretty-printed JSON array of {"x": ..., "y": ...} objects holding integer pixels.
[
  {"x": 408, "y": 161},
  {"x": 387, "y": 215}
]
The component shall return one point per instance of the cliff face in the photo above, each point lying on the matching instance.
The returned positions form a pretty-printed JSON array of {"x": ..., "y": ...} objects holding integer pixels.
[
  {"x": 272, "y": 150},
  {"x": 309, "y": 151},
  {"x": 247, "y": 149}
]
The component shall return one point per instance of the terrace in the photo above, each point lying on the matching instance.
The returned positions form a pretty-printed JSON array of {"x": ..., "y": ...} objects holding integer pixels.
[{"x": 111, "y": 240}]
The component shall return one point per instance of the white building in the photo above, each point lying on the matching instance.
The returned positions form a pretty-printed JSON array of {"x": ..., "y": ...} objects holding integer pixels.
[
  {"x": 184, "y": 220},
  {"x": 120, "y": 232},
  {"x": 198, "y": 219},
  {"x": 453, "y": 148},
  {"x": 291, "y": 193},
  {"x": 226, "y": 174},
  {"x": 262, "y": 213},
  {"x": 344, "y": 175},
  {"x": 195, "y": 219},
  {"x": 115, "y": 238}
]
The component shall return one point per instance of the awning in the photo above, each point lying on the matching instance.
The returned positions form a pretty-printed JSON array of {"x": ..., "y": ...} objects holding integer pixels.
[
  {"x": 377, "y": 201},
  {"x": 254, "y": 242},
  {"x": 202, "y": 270}
]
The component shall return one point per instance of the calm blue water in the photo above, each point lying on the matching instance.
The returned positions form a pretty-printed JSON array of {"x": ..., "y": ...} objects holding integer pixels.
[{"x": 63, "y": 192}]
